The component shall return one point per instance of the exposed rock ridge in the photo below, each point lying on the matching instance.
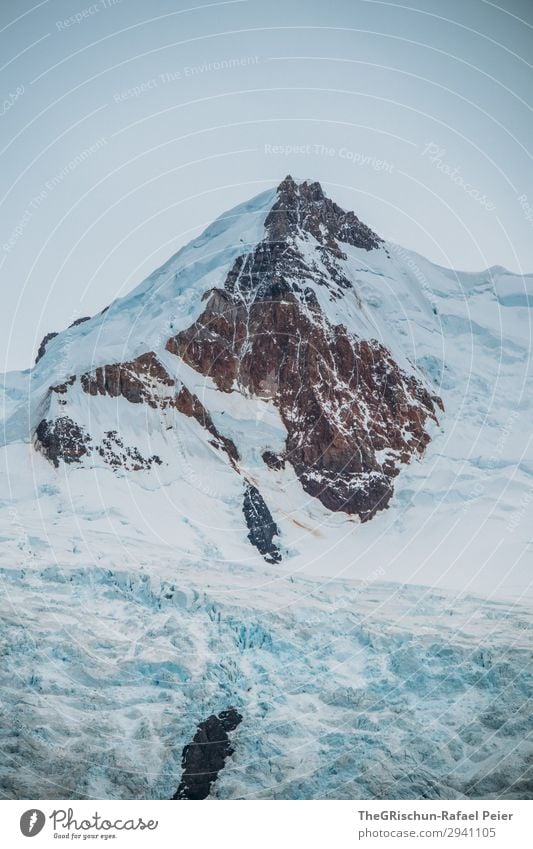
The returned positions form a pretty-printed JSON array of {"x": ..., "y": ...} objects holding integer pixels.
[
  {"x": 138, "y": 381},
  {"x": 44, "y": 342},
  {"x": 304, "y": 208},
  {"x": 143, "y": 380},
  {"x": 62, "y": 439},
  {"x": 49, "y": 336}
]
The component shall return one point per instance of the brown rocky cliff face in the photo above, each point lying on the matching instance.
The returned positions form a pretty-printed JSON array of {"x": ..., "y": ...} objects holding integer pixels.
[
  {"x": 341, "y": 399},
  {"x": 138, "y": 381}
]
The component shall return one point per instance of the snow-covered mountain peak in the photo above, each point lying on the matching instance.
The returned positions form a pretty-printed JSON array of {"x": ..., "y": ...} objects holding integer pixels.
[
  {"x": 287, "y": 363},
  {"x": 295, "y": 221},
  {"x": 246, "y": 309}
]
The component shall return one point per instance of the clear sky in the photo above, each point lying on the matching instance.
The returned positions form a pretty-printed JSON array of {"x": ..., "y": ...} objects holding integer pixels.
[{"x": 127, "y": 126}]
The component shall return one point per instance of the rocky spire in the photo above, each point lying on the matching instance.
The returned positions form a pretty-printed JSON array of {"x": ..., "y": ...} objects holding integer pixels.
[{"x": 304, "y": 208}]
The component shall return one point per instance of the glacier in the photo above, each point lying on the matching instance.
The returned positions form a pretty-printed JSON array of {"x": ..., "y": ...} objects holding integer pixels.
[{"x": 347, "y": 690}]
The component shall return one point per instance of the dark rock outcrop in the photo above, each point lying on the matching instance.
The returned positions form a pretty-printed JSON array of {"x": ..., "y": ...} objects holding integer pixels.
[
  {"x": 42, "y": 347},
  {"x": 273, "y": 461},
  {"x": 62, "y": 388},
  {"x": 118, "y": 455},
  {"x": 203, "y": 759},
  {"x": 261, "y": 525},
  {"x": 81, "y": 320},
  {"x": 49, "y": 336},
  {"x": 62, "y": 439}
]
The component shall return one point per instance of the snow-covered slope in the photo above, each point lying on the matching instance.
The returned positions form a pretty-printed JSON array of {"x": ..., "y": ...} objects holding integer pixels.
[
  {"x": 166, "y": 301},
  {"x": 265, "y": 395}
]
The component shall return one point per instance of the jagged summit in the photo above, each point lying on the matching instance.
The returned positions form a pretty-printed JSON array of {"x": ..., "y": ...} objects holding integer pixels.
[
  {"x": 305, "y": 239},
  {"x": 304, "y": 208},
  {"x": 295, "y": 226}
]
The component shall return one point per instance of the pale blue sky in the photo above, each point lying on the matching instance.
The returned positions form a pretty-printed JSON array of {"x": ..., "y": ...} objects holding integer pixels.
[{"x": 418, "y": 116}]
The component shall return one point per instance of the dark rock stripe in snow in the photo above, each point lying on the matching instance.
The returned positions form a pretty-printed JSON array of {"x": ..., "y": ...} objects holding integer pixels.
[
  {"x": 203, "y": 759},
  {"x": 261, "y": 525}
]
